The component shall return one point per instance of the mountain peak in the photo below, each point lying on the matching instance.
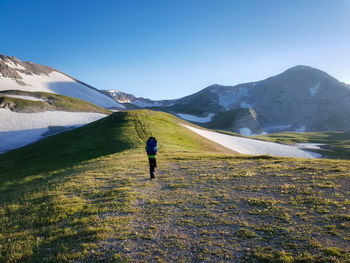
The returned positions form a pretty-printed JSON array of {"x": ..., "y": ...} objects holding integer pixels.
[
  {"x": 302, "y": 72},
  {"x": 302, "y": 67},
  {"x": 305, "y": 69}
]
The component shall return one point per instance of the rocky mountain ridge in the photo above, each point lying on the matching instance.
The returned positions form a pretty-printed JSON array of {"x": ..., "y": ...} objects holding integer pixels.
[{"x": 300, "y": 99}]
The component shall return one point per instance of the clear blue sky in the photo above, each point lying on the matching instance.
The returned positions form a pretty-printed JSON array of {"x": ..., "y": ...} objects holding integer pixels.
[{"x": 169, "y": 49}]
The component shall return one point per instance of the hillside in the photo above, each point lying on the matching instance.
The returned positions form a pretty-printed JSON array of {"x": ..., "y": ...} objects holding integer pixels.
[
  {"x": 32, "y": 102},
  {"x": 85, "y": 196},
  {"x": 16, "y": 74},
  {"x": 300, "y": 99},
  {"x": 116, "y": 133}
]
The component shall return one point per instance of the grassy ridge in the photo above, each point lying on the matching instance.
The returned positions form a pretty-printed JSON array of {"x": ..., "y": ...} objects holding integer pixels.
[
  {"x": 85, "y": 196},
  {"x": 51, "y": 102},
  {"x": 117, "y": 133},
  {"x": 337, "y": 144}
]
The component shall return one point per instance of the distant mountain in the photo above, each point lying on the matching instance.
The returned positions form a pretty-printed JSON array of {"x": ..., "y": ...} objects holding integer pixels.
[
  {"x": 299, "y": 99},
  {"x": 130, "y": 101},
  {"x": 119, "y": 96},
  {"x": 16, "y": 74}
]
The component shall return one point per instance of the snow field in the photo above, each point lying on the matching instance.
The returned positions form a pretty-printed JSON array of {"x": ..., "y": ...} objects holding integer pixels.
[
  {"x": 254, "y": 147},
  {"x": 314, "y": 90},
  {"x": 230, "y": 97},
  {"x": 19, "y": 129},
  {"x": 24, "y": 97},
  {"x": 194, "y": 118},
  {"x": 245, "y": 131}
]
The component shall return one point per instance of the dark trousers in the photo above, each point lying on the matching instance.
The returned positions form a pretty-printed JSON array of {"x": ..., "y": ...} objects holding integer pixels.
[{"x": 152, "y": 166}]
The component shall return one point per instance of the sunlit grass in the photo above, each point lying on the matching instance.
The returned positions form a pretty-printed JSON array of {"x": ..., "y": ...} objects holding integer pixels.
[{"x": 203, "y": 206}]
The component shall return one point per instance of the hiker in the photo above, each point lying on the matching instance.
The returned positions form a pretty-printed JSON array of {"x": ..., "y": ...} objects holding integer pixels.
[{"x": 152, "y": 150}]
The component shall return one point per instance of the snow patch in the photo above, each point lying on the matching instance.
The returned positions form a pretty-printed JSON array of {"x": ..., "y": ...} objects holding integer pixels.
[
  {"x": 253, "y": 147},
  {"x": 226, "y": 99},
  {"x": 194, "y": 118},
  {"x": 245, "y": 131},
  {"x": 314, "y": 90},
  {"x": 245, "y": 105},
  {"x": 13, "y": 65},
  {"x": 19, "y": 129},
  {"x": 301, "y": 129},
  {"x": 124, "y": 101},
  {"x": 24, "y": 97}
]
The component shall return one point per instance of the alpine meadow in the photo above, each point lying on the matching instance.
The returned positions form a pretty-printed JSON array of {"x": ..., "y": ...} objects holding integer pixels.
[
  {"x": 94, "y": 201},
  {"x": 188, "y": 131}
]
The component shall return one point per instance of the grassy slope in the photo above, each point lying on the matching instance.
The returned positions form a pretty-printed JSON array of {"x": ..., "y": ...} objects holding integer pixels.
[
  {"x": 117, "y": 133},
  {"x": 337, "y": 144},
  {"x": 51, "y": 102},
  {"x": 87, "y": 197}
]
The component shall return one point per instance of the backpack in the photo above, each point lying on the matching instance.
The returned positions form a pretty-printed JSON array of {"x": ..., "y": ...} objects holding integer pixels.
[{"x": 152, "y": 146}]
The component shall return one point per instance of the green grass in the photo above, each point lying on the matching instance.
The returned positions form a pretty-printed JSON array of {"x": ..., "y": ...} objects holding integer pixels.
[
  {"x": 117, "y": 133},
  {"x": 51, "y": 102},
  {"x": 337, "y": 144},
  {"x": 88, "y": 198}
]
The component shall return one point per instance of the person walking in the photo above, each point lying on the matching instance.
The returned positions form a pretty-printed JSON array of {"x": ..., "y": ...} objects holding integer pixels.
[{"x": 152, "y": 151}]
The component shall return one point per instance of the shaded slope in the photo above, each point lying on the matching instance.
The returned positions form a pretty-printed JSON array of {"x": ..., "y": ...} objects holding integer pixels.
[
  {"x": 116, "y": 133},
  {"x": 236, "y": 120}
]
